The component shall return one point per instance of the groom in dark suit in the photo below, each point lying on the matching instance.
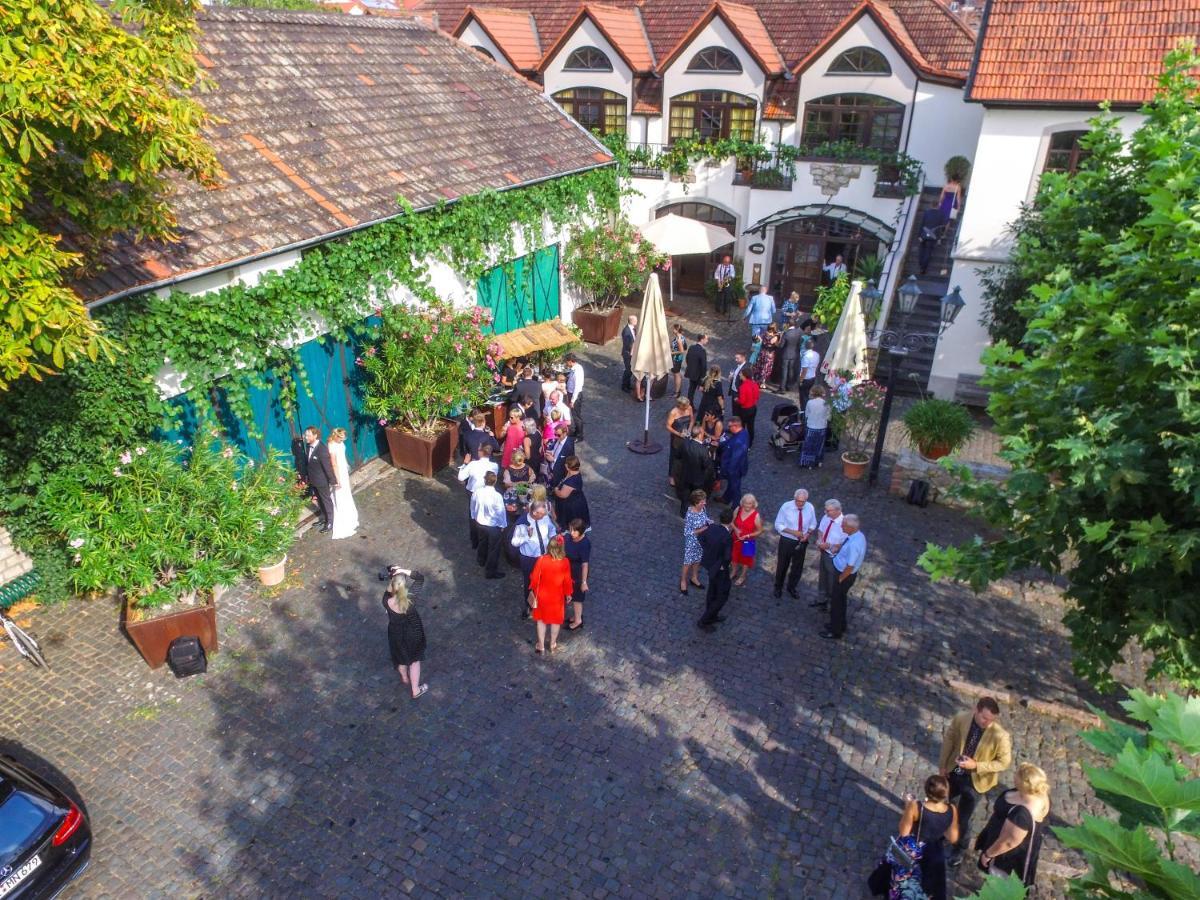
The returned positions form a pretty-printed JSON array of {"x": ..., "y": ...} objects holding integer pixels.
[
  {"x": 695, "y": 366},
  {"x": 318, "y": 475},
  {"x": 717, "y": 544}
]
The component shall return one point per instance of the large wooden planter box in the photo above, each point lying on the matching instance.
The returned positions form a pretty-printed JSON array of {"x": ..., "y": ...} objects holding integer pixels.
[
  {"x": 153, "y": 637},
  {"x": 425, "y": 456},
  {"x": 598, "y": 327},
  {"x": 497, "y": 417}
]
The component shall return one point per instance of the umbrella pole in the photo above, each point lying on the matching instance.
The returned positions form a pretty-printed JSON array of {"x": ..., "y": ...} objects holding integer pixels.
[{"x": 645, "y": 446}]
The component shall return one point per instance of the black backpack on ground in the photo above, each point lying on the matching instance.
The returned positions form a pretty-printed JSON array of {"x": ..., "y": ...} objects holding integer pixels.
[
  {"x": 186, "y": 657},
  {"x": 918, "y": 493}
]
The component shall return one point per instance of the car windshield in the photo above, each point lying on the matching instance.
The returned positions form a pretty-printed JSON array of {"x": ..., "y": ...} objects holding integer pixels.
[{"x": 24, "y": 818}]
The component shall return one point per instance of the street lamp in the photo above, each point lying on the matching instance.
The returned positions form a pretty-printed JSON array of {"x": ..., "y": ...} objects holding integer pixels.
[{"x": 900, "y": 343}]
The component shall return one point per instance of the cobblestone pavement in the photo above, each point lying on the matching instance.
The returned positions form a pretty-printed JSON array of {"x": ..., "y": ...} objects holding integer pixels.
[{"x": 648, "y": 759}]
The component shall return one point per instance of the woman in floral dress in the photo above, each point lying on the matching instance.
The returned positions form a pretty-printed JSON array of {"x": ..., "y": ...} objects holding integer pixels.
[
  {"x": 766, "y": 356},
  {"x": 695, "y": 520}
]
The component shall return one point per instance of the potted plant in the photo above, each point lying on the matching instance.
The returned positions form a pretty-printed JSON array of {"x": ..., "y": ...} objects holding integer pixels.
[
  {"x": 606, "y": 264},
  {"x": 831, "y": 300},
  {"x": 167, "y": 526},
  {"x": 424, "y": 364},
  {"x": 855, "y": 419},
  {"x": 957, "y": 168},
  {"x": 272, "y": 490},
  {"x": 938, "y": 428}
]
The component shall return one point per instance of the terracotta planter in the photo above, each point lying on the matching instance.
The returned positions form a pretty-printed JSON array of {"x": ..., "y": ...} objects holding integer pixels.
[
  {"x": 497, "y": 417},
  {"x": 934, "y": 451},
  {"x": 852, "y": 468},
  {"x": 598, "y": 327},
  {"x": 425, "y": 456},
  {"x": 153, "y": 636},
  {"x": 269, "y": 576}
]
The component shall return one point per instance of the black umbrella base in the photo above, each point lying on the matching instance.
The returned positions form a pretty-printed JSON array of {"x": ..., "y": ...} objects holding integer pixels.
[{"x": 644, "y": 447}]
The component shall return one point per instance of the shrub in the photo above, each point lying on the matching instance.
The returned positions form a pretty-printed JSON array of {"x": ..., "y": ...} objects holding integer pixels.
[
  {"x": 609, "y": 262},
  {"x": 831, "y": 300},
  {"x": 934, "y": 422},
  {"x": 855, "y": 412}
]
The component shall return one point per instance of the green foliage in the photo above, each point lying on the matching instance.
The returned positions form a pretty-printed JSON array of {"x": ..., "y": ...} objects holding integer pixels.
[
  {"x": 1099, "y": 412},
  {"x": 934, "y": 422},
  {"x": 856, "y": 402},
  {"x": 306, "y": 5},
  {"x": 679, "y": 157},
  {"x": 1149, "y": 783},
  {"x": 831, "y": 300},
  {"x": 93, "y": 117},
  {"x": 165, "y": 528},
  {"x": 868, "y": 268},
  {"x": 609, "y": 262},
  {"x": 1035, "y": 255},
  {"x": 957, "y": 168},
  {"x": 426, "y": 362},
  {"x": 997, "y": 888}
]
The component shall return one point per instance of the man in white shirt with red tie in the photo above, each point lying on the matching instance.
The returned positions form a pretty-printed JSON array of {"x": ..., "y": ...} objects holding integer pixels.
[
  {"x": 794, "y": 523},
  {"x": 829, "y": 538}
]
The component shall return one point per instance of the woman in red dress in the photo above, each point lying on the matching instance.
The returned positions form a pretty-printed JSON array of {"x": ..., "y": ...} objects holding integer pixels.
[
  {"x": 747, "y": 528},
  {"x": 549, "y": 587}
]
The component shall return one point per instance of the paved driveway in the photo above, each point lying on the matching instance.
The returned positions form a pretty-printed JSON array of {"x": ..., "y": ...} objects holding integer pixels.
[{"x": 647, "y": 760}]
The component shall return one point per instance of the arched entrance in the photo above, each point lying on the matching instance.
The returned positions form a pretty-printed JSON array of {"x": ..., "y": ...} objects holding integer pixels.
[
  {"x": 692, "y": 270},
  {"x": 804, "y": 246}
]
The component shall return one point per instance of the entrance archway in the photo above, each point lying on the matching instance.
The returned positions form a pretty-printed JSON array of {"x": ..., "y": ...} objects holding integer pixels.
[
  {"x": 694, "y": 269},
  {"x": 804, "y": 246}
]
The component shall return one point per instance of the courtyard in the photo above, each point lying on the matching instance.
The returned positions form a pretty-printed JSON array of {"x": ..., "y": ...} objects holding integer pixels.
[{"x": 648, "y": 759}]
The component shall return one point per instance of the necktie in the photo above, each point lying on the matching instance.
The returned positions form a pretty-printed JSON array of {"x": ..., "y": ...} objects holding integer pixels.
[
  {"x": 541, "y": 544},
  {"x": 828, "y": 528}
]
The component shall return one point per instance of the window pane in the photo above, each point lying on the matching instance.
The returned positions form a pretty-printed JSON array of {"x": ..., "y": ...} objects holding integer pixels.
[{"x": 682, "y": 120}]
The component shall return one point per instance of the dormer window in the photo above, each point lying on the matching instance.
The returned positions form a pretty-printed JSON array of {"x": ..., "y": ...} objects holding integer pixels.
[
  {"x": 594, "y": 108},
  {"x": 588, "y": 59},
  {"x": 860, "y": 61},
  {"x": 484, "y": 50},
  {"x": 711, "y": 115},
  {"x": 714, "y": 59}
]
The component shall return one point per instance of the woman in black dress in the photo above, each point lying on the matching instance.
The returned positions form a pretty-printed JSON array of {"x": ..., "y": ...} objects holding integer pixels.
[
  {"x": 532, "y": 445},
  {"x": 713, "y": 398},
  {"x": 679, "y": 425},
  {"x": 1012, "y": 838},
  {"x": 579, "y": 554},
  {"x": 569, "y": 502},
  {"x": 934, "y": 821},
  {"x": 406, "y": 634}
]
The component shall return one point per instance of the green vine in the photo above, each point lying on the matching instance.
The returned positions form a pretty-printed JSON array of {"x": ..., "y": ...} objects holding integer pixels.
[{"x": 681, "y": 155}]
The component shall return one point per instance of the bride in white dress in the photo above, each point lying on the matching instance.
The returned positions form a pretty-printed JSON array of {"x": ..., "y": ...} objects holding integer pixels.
[{"x": 345, "y": 513}]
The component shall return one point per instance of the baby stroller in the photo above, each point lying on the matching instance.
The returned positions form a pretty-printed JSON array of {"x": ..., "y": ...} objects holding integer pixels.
[{"x": 789, "y": 429}]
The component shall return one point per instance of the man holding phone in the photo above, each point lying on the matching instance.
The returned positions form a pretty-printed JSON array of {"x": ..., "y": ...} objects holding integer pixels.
[{"x": 975, "y": 750}]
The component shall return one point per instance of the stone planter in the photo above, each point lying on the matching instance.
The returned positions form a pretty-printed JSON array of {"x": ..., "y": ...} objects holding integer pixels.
[
  {"x": 269, "y": 576},
  {"x": 153, "y": 636},
  {"x": 598, "y": 327},
  {"x": 853, "y": 467},
  {"x": 424, "y": 456}
]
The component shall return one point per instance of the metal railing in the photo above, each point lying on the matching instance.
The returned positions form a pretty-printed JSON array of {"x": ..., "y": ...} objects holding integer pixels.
[
  {"x": 644, "y": 167},
  {"x": 771, "y": 174}
]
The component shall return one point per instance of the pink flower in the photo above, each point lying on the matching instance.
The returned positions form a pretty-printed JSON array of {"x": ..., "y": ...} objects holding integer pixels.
[
  {"x": 117, "y": 472},
  {"x": 496, "y": 379},
  {"x": 457, "y": 347},
  {"x": 370, "y": 351},
  {"x": 227, "y": 453},
  {"x": 126, "y": 458},
  {"x": 77, "y": 543},
  {"x": 428, "y": 339},
  {"x": 435, "y": 329},
  {"x": 378, "y": 310},
  {"x": 358, "y": 360},
  {"x": 405, "y": 335},
  {"x": 383, "y": 421},
  {"x": 274, "y": 510}
]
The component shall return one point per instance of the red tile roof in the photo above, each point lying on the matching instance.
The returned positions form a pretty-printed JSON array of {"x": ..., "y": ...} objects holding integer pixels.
[
  {"x": 1077, "y": 52},
  {"x": 317, "y": 138},
  {"x": 795, "y": 27},
  {"x": 780, "y": 102},
  {"x": 746, "y": 25},
  {"x": 514, "y": 33},
  {"x": 624, "y": 29}
]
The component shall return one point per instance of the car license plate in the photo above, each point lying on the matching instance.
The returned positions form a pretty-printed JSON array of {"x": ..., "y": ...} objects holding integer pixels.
[{"x": 19, "y": 875}]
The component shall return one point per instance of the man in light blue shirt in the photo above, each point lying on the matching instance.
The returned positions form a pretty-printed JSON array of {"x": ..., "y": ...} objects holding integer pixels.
[
  {"x": 842, "y": 571},
  {"x": 760, "y": 311}
]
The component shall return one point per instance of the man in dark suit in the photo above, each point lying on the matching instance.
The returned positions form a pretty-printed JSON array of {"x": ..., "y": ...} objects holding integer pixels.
[
  {"x": 789, "y": 356},
  {"x": 628, "y": 336},
  {"x": 735, "y": 460},
  {"x": 475, "y": 435},
  {"x": 318, "y": 475},
  {"x": 563, "y": 449},
  {"x": 695, "y": 366},
  {"x": 717, "y": 544},
  {"x": 695, "y": 470},
  {"x": 527, "y": 387}
]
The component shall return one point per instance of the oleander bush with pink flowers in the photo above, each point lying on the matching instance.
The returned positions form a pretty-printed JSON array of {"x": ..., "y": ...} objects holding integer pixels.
[
  {"x": 607, "y": 263},
  {"x": 856, "y": 403},
  {"x": 425, "y": 363},
  {"x": 167, "y": 523}
]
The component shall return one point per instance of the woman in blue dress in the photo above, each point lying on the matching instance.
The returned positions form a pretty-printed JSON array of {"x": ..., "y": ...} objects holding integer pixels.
[{"x": 695, "y": 520}]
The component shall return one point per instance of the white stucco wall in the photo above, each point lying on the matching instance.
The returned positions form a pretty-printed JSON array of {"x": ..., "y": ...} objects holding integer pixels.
[
  {"x": 943, "y": 125},
  {"x": 677, "y": 80},
  {"x": 619, "y": 80},
  {"x": 474, "y": 36},
  {"x": 816, "y": 82},
  {"x": 1007, "y": 163}
]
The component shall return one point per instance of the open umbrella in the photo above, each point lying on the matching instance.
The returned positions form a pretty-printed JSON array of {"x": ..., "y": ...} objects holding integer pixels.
[
  {"x": 676, "y": 236},
  {"x": 849, "y": 338},
  {"x": 651, "y": 354}
]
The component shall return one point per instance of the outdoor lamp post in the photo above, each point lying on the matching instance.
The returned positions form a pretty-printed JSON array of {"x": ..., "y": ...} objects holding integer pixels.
[{"x": 900, "y": 343}]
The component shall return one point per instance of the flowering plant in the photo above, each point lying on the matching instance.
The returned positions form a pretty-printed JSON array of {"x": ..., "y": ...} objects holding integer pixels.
[
  {"x": 609, "y": 262},
  {"x": 426, "y": 362},
  {"x": 856, "y": 405},
  {"x": 166, "y": 523}
]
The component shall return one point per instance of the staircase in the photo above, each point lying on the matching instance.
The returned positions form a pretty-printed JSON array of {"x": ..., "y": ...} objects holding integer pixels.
[{"x": 913, "y": 376}]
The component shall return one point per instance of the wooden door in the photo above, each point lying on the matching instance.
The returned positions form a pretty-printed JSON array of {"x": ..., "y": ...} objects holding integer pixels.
[{"x": 798, "y": 268}]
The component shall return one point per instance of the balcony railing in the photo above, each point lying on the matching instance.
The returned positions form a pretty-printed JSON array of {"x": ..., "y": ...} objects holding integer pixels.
[
  {"x": 771, "y": 174},
  {"x": 642, "y": 158}
]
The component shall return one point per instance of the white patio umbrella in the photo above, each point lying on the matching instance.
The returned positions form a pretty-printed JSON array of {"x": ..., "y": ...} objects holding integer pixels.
[
  {"x": 676, "y": 236},
  {"x": 849, "y": 337},
  {"x": 651, "y": 354}
]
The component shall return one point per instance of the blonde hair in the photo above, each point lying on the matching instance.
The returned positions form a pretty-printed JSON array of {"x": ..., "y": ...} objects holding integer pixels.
[
  {"x": 517, "y": 458},
  {"x": 555, "y": 415},
  {"x": 537, "y": 493},
  {"x": 714, "y": 375},
  {"x": 338, "y": 434},
  {"x": 556, "y": 549},
  {"x": 1032, "y": 780},
  {"x": 683, "y": 403},
  {"x": 751, "y": 499},
  {"x": 398, "y": 589}
]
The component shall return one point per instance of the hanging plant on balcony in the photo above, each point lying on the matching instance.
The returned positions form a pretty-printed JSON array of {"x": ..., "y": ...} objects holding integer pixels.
[{"x": 607, "y": 263}]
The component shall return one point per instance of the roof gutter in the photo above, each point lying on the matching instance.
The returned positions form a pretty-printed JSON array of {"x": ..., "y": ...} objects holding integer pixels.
[
  {"x": 320, "y": 239},
  {"x": 983, "y": 26}
]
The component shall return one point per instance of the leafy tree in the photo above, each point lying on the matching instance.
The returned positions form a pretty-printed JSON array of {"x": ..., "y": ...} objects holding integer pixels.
[
  {"x": 95, "y": 112},
  {"x": 1155, "y": 794},
  {"x": 1099, "y": 410}
]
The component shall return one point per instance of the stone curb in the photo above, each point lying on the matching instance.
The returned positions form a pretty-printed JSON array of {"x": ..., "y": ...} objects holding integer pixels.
[{"x": 1043, "y": 707}]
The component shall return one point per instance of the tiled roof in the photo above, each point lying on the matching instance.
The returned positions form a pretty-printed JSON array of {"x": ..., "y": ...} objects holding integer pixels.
[
  {"x": 1077, "y": 52},
  {"x": 321, "y": 121},
  {"x": 647, "y": 96},
  {"x": 621, "y": 27},
  {"x": 513, "y": 31},
  {"x": 780, "y": 102},
  {"x": 745, "y": 23},
  {"x": 795, "y": 27}
]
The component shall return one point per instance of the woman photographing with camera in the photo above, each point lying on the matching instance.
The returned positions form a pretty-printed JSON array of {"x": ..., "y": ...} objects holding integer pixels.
[{"x": 406, "y": 634}]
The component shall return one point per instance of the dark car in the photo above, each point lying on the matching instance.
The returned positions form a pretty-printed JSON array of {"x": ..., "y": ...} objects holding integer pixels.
[{"x": 45, "y": 841}]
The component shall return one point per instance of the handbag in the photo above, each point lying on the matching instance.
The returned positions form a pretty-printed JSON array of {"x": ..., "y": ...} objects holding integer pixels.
[{"x": 749, "y": 547}]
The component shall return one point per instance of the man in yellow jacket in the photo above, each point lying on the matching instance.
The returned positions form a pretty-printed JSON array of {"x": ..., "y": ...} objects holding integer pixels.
[{"x": 975, "y": 750}]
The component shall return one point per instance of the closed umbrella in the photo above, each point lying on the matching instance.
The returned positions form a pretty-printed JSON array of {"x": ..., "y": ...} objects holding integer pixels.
[
  {"x": 651, "y": 354},
  {"x": 676, "y": 236},
  {"x": 849, "y": 338}
]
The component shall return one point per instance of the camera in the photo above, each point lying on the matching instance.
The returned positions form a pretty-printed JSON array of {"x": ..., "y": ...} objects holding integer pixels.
[{"x": 390, "y": 572}]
